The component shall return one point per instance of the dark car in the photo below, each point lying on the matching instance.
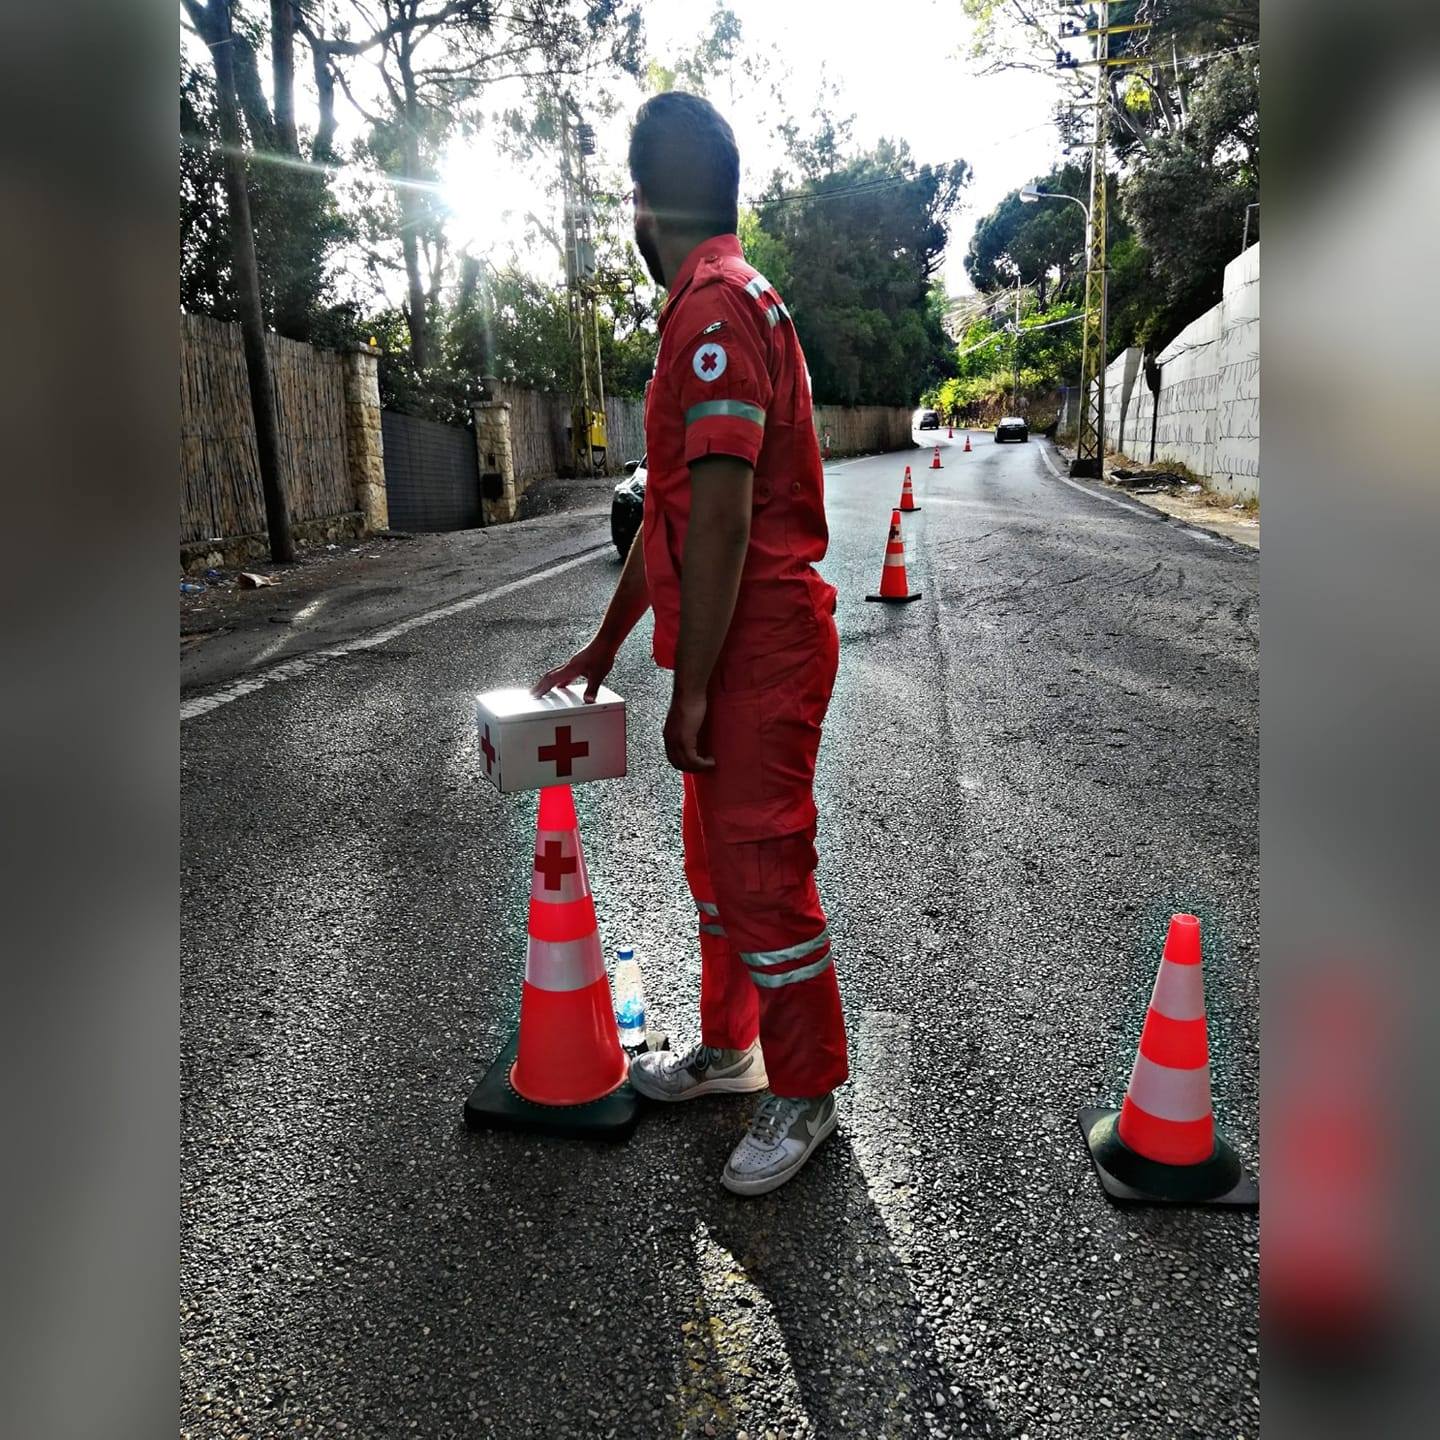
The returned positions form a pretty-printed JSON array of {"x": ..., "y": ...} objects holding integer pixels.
[
  {"x": 1012, "y": 427},
  {"x": 927, "y": 420},
  {"x": 627, "y": 505}
]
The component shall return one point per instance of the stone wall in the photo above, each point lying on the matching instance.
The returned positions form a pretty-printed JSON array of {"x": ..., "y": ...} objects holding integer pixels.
[
  {"x": 495, "y": 455},
  {"x": 364, "y": 445}
]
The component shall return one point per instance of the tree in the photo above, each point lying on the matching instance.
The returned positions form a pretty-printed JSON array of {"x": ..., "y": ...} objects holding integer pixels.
[
  {"x": 1038, "y": 238},
  {"x": 433, "y": 59},
  {"x": 1187, "y": 201},
  {"x": 862, "y": 238},
  {"x": 214, "y": 22},
  {"x": 1184, "y": 137},
  {"x": 297, "y": 224}
]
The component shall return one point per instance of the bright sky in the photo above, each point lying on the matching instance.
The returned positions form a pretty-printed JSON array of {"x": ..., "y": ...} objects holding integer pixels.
[
  {"x": 908, "y": 78},
  {"x": 901, "y": 67}
]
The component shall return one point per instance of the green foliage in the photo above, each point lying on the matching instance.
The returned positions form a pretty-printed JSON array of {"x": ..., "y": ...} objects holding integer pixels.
[
  {"x": 769, "y": 254},
  {"x": 712, "y": 54},
  {"x": 298, "y": 226},
  {"x": 1187, "y": 200},
  {"x": 985, "y": 359},
  {"x": 858, "y": 243},
  {"x": 1185, "y": 133},
  {"x": 1044, "y": 239}
]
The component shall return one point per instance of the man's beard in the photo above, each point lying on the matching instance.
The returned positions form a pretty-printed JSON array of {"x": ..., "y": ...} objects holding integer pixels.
[{"x": 649, "y": 251}]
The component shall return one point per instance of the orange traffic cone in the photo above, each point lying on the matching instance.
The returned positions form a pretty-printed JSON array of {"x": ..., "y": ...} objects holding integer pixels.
[
  {"x": 967, "y": 442},
  {"x": 907, "y": 494},
  {"x": 935, "y": 463},
  {"x": 568, "y": 1072},
  {"x": 894, "y": 585},
  {"x": 949, "y": 432},
  {"x": 1163, "y": 1146}
]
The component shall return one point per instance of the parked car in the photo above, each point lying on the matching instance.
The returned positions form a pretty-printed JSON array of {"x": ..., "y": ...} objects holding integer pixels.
[
  {"x": 627, "y": 506},
  {"x": 1012, "y": 427},
  {"x": 926, "y": 420}
]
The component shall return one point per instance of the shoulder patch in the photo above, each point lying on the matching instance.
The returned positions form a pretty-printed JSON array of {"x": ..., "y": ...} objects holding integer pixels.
[{"x": 709, "y": 361}]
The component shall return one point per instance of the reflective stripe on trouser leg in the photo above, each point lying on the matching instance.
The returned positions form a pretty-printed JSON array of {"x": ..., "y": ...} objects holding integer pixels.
[
  {"x": 767, "y": 892},
  {"x": 770, "y": 969},
  {"x": 729, "y": 1008}
]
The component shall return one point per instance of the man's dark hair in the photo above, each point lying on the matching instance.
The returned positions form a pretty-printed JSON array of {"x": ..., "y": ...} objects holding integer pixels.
[{"x": 684, "y": 157}]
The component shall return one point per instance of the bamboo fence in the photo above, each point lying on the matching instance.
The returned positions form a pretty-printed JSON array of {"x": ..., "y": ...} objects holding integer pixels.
[{"x": 220, "y": 494}]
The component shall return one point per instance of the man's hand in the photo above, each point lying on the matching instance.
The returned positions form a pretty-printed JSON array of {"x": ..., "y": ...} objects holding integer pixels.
[
  {"x": 682, "y": 733},
  {"x": 593, "y": 661}
]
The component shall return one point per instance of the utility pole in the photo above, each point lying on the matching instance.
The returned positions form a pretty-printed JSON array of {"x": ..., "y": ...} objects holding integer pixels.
[
  {"x": 1015, "y": 352},
  {"x": 587, "y": 418},
  {"x": 1090, "y": 441}
]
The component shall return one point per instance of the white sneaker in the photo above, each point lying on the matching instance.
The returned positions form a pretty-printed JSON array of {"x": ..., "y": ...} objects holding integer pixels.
[
  {"x": 700, "y": 1070},
  {"x": 782, "y": 1137}
]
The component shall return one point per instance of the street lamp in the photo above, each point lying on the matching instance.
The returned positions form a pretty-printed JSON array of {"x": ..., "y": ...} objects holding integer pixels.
[{"x": 1029, "y": 195}]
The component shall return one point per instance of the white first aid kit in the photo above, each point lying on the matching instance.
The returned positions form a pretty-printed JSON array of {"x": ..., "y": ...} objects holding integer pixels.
[{"x": 527, "y": 742}]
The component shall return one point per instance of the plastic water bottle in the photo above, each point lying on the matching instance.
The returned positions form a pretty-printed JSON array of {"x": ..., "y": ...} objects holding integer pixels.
[{"x": 629, "y": 999}]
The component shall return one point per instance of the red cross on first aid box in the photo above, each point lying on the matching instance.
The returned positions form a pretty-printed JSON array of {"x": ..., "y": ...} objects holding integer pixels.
[{"x": 527, "y": 743}]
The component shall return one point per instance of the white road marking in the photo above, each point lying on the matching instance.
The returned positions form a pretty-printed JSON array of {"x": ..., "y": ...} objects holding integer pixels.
[
  {"x": 878, "y": 1122},
  {"x": 307, "y": 664},
  {"x": 1097, "y": 494}
]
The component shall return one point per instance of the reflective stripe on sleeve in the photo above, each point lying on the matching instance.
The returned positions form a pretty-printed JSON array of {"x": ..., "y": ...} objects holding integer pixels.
[
  {"x": 707, "y": 929},
  {"x": 758, "y": 285},
  {"x": 775, "y": 312},
  {"x": 707, "y": 908},
  {"x": 739, "y": 409}
]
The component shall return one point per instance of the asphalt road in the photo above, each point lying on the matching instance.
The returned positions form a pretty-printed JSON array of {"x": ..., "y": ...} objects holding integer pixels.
[{"x": 1023, "y": 775}]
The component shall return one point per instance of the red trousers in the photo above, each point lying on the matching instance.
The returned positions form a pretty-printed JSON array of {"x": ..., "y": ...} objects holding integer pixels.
[{"x": 749, "y": 827}]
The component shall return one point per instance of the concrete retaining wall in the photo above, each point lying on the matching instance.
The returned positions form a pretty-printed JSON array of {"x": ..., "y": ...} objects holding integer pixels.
[
  {"x": 1206, "y": 415},
  {"x": 863, "y": 429}
]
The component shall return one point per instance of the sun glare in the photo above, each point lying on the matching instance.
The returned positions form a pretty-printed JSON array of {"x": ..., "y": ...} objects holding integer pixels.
[{"x": 487, "y": 199}]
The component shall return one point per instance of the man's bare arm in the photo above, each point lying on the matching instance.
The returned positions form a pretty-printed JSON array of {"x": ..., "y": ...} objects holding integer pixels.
[
  {"x": 627, "y": 605},
  {"x": 716, "y": 541}
]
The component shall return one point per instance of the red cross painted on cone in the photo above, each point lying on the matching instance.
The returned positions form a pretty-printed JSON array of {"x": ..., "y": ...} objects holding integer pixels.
[
  {"x": 489, "y": 751},
  {"x": 564, "y": 751},
  {"x": 554, "y": 865}
]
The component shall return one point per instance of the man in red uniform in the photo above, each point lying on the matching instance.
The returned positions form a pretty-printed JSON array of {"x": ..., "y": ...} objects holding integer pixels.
[{"x": 734, "y": 521}]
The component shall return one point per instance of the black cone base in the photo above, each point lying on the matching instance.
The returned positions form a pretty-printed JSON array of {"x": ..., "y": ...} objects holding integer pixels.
[
  {"x": 913, "y": 510},
  {"x": 895, "y": 599},
  {"x": 494, "y": 1104},
  {"x": 1131, "y": 1179}
]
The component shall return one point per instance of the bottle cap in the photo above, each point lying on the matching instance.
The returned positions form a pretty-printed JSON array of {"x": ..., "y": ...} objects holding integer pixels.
[{"x": 626, "y": 954}]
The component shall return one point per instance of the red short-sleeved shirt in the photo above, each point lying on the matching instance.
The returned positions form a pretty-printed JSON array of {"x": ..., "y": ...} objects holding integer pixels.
[{"x": 730, "y": 379}]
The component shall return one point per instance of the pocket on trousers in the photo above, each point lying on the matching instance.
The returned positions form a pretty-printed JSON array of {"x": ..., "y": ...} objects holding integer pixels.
[{"x": 765, "y": 742}]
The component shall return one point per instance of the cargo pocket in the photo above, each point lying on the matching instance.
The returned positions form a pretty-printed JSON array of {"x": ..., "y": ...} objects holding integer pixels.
[{"x": 765, "y": 739}]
